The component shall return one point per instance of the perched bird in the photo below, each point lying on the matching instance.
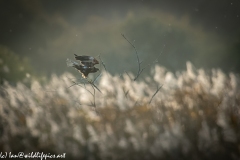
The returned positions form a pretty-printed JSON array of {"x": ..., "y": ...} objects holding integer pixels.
[
  {"x": 83, "y": 69},
  {"x": 87, "y": 60}
]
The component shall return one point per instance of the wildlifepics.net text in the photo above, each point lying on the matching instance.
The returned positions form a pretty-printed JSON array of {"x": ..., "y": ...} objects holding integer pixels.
[{"x": 41, "y": 155}]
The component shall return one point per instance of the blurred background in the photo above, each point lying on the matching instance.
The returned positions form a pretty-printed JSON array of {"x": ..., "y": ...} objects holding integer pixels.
[
  {"x": 180, "y": 108},
  {"x": 36, "y": 37}
]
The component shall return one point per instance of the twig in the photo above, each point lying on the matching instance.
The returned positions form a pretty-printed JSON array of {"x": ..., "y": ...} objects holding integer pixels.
[
  {"x": 155, "y": 61},
  {"x": 158, "y": 88},
  {"x": 128, "y": 74},
  {"x": 97, "y": 77},
  {"x": 93, "y": 104},
  {"x": 74, "y": 83},
  {"x": 140, "y": 70},
  {"x": 102, "y": 63},
  {"x": 94, "y": 100},
  {"x": 89, "y": 81},
  {"x": 138, "y": 60},
  {"x": 159, "y": 54},
  {"x": 92, "y": 83}
]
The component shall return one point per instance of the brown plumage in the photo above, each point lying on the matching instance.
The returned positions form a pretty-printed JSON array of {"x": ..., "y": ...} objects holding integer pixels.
[
  {"x": 86, "y": 66},
  {"x": 87, "y": 60},
  {"x": 86, "y": 70}
]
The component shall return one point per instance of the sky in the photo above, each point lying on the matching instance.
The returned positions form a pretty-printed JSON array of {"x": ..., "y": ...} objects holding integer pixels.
[{"x": 207, "y": 33}]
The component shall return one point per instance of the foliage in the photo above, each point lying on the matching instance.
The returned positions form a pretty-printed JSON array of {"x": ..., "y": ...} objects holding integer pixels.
[{"x": 195, "y": 115}]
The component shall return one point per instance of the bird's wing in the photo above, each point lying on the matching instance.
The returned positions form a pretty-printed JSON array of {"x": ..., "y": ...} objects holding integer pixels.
[
  {"x": 87, "y": 63},
  {"x": 83, "y": 58}
]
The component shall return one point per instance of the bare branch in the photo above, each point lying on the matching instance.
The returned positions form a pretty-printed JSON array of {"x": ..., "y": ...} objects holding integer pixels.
[
  {"x": 158, "y": 88},
  {"x": 78, "y": 84},
  {"x": 128, "y": 75},
  {"x": 128, "y": 41},
  {"x": 140, "y": 70},
  {"x": 94, "y": 99},
  {"x": 138, "y": 60},
  {"x": 92, "y": 83},
  {"x": 150, "y": 64},
  {"x": 102, "y": 63},
  {"x": 93, "y": 104},
  {"x": 97, "y": 77},
  {"x": 74, "y": 83}
]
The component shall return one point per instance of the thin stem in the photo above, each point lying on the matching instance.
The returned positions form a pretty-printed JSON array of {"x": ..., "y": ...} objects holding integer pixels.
[
  {"x": 158, "y": 88},
  {"x": 140, "y": 70},
  {"x": 138, "y": 60},
  {"x": 102, "y": 63},
  {"x": 128, "y": 75},
  {"x": 78, "y": 84},
  {"x": 97, "y": 77},
  {"x": 90, "y": 82}
]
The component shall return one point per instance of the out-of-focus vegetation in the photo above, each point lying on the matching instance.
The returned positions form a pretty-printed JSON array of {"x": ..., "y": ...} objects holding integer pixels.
[
  {"x": 13, "y": 67},
  {"x": 195, "y": 115}
]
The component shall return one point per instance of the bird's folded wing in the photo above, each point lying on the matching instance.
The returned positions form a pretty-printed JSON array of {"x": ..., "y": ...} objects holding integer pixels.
[
  {"x": 87, "y": 63},
  {"x": 83, "y": 58}
]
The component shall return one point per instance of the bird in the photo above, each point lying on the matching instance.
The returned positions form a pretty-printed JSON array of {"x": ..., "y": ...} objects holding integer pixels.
[
  {"x": 87, "y": 60},
  {"x": 83, "y": 69}
]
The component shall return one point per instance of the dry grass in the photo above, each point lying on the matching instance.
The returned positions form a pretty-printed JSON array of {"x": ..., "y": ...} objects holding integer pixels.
[{"x": 195, "y": 115}]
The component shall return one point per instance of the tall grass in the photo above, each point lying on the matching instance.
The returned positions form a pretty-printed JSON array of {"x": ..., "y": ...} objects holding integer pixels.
[{"x": 195, "y": 115}]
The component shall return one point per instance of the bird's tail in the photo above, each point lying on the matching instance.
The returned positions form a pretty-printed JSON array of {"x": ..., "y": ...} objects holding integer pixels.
[{"x": 71, "y": 63}]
